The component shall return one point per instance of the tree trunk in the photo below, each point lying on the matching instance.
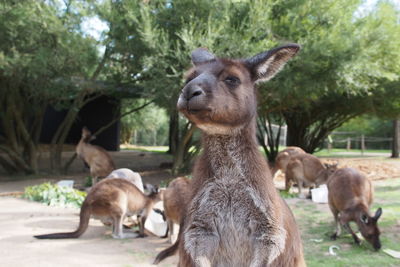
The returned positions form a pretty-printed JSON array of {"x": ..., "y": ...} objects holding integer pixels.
[
  {"x": 173, "y": 132},
  {"x": 182, "y": 156},
  {"x": 396, "y": 138}
]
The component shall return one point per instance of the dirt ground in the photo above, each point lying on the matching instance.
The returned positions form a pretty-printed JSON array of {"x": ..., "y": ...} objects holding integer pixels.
[{"x": 21, "y": 219}]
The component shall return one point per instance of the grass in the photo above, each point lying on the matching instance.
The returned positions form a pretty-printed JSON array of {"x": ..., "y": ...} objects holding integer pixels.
[
  {"x": 316, "y": 223},
  {"x": 337, "y": 152},
  {"x": 155, "y": 149}
]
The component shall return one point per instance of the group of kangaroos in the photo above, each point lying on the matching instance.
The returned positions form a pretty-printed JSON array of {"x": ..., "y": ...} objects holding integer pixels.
[{"x": 229, "y": 213}]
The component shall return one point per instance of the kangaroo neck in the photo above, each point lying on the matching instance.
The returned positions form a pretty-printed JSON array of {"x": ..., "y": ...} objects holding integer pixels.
[{"x": 235, "y": 153}]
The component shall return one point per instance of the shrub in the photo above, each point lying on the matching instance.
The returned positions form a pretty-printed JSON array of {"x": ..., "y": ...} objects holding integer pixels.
[{"x": 54, "y": 195}]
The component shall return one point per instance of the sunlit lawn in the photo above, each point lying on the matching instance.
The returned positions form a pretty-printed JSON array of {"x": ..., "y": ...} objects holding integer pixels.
[{"x": 316, "y": 223}]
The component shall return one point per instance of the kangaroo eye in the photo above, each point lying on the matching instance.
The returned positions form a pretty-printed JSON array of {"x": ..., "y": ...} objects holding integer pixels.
[{"x": 232, "y": 81}]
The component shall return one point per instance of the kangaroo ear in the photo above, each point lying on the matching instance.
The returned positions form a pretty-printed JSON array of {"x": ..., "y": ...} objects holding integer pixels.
[
  {"x": 202, "y": 55},
  {"x": 378, "y": 214},
  {"x": 92, "y": 137},
  {"x": 364, "y": 218},
  {"x": 265, "y": 65}
]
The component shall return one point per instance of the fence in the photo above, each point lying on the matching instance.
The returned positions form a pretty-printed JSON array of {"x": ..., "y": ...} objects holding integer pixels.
[{"x": 348, "y": 141}]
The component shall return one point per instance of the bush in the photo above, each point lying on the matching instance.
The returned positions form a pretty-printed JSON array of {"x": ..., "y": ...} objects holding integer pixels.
[{"x": 54, "y": 195}]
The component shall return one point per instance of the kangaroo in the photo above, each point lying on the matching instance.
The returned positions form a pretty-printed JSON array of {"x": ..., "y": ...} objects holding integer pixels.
[
  {"x": 309, "y": 170},
  {"x": 236, "y": 216},
  {"x": 129, "y": 175},
  {"x": 282, "y": 160},
  {"x": 176, "y": 197},
  {"x": 350, "y": 196},
  {"x": 112, "y": 200},
  {"x": 98, "y": 159}
]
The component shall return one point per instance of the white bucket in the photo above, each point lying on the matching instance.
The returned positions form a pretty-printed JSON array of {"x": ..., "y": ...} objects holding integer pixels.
[
  {"x": 320, "y": 194},
  {"x": 67, "y": 183},
  {"x": 155, "y": 222}
]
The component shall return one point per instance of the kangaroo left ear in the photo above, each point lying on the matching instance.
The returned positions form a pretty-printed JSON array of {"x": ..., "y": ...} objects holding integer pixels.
[{"x": 264, "y": 66}]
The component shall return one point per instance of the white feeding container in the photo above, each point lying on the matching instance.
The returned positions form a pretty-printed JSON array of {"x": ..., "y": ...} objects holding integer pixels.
[
  {"x": 155, "y": 222},
  {"x": 67, "y": 183},
  {"x": 320, "y": 194}
]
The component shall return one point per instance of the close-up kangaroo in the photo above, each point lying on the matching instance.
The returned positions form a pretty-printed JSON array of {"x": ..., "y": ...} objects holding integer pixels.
[
  {"x": 98, "y": 159},
  {"x": 112, "y": 199},
  {"x": 236, "y": 216}
]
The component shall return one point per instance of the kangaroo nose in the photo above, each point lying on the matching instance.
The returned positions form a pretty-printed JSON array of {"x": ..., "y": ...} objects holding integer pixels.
[{"x": 193, "y": 92}]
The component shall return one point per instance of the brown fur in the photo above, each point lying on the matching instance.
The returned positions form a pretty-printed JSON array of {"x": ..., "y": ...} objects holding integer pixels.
[
  {"x": 350, "y": 197},
  {"x": 176, "y": 197},
  {"x": 112, "y": 199},
  {"x": 98, "y": 159},
  {"x": 282, "y": 160},
  {"x": 309, "y": 170},
  {"x": 235, "y": 217}
]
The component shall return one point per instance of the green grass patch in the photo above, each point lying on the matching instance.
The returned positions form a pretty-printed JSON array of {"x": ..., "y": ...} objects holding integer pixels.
[
  {"x": 316, "y": 224},
  {"x": 154, "y": 149},
  {"x": 54, "y": 195},
  {"x": 286, "y": 194}
]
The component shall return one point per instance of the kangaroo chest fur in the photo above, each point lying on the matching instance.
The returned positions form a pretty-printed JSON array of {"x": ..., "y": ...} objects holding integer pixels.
[{"x": 230, "y": 223}]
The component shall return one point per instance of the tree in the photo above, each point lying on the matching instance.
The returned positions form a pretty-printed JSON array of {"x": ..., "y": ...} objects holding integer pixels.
[
  {"x": 40, "y": 55},
  {"x": 335, "y": 77}
]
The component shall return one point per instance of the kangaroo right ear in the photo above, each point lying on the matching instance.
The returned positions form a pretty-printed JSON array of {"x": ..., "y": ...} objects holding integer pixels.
[
  {"x": 265, "y": 65},
  {"x": 378, "y": 214}
]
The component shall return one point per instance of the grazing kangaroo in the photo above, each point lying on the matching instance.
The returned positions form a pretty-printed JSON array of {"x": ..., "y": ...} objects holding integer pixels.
[
  {"x": 98, "y": 159},
  {"x": 112, "y": 200},
  {"x": 308, "y": 170},
  {"x": 282, "y": 160},
  {"x": 129, "y": 175},
  {"x": 350, "y": 197},
  {"x": 176, "y": 197},
  {"x": 235, "y": 217}
]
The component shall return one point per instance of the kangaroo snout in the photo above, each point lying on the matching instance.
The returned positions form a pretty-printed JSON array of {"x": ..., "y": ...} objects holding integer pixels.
[{"x": 192, "y": 98}]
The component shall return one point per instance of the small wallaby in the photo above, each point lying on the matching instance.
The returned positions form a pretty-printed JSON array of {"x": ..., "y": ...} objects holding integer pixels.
[
  {"x": 112, "y": 200},
  {"x": 176, "y": 198},
  {"x": 98, "y": 159}
]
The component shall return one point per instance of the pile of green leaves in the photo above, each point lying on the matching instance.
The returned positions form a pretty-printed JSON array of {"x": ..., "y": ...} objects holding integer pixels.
[{"x": 54, "y": 195}]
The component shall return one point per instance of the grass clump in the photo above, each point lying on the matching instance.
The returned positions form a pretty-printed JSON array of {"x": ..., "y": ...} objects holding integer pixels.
[{"x": 54, "y": 195}]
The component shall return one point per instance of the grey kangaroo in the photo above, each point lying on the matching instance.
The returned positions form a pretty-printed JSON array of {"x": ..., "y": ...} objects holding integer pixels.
[{"x": 235, "y": 216}]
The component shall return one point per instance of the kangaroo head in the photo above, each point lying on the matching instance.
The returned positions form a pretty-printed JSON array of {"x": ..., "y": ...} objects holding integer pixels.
[
  {"x": 87, "y": 135},
  {"x": 368, "y": 226},
  {"x": 220, "y": 96}
]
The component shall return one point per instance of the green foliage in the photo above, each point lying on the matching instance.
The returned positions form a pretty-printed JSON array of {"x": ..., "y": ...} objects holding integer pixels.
[
  {"x": 88, "y": 181},
  {"x": 54, "y": 195},
  {"x": 369, "y": 126},
  {"x": 150, "y": 125}
]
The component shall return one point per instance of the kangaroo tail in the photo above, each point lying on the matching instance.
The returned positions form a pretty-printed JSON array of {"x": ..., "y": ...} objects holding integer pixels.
[
  {"x": 83, "y": 225},
  {"x": 172, "y": 249}
]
